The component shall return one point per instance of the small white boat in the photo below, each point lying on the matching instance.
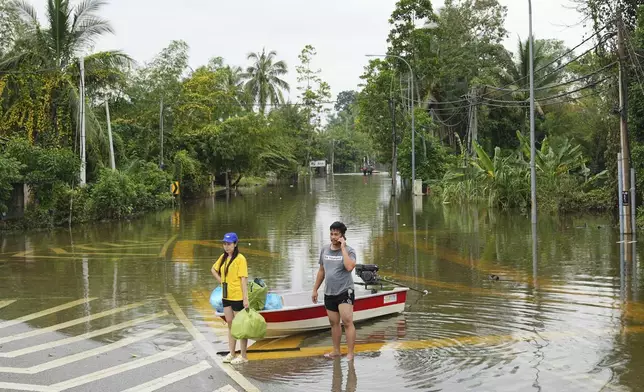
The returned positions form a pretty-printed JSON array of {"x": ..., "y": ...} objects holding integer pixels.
[{"x": 299, "y": 315}]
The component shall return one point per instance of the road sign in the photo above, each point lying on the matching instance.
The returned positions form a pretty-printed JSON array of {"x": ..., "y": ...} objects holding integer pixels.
[
  {"x": 317, "y": 163},
  {"x": 175, "y": 188}
]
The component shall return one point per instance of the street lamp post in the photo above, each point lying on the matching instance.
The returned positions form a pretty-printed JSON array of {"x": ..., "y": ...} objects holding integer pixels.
[
  {"x": 533, "y": 173},
  {"x": 413, "y": 121}
]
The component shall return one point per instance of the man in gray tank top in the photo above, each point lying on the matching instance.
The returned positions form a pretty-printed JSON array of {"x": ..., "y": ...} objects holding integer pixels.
[{"x": 337, "y": 260}]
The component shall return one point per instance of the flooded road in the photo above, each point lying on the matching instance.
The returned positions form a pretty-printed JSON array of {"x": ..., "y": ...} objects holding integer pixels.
[{"x": 124, "y": 306}]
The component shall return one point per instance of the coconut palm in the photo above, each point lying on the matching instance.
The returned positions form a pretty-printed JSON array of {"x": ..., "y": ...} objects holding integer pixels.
[
  {"x": 52, "y": 51},
  {"x": 547, "y": 62},
  {"x": 263, "y": 79},
  {"x": 67, "y": 33}
]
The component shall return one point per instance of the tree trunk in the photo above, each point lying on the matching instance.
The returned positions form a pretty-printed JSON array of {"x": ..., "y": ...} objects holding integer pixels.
[{"x": 237, "y": 181}]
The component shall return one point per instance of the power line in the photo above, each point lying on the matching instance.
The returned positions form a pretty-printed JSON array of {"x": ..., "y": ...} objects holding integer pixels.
[
  {"x": 554, "y": 96},
  {"x": 560, "y": 57},
  {"x": 556, "y": 85},
  {"x": 638, "y": 67}
]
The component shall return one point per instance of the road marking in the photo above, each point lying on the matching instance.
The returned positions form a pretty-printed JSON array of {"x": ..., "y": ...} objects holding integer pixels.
[
  {"x": 88, "y": 335},
  {"x": 167, "y": 244},
  {"x": 226, "y": 388},
  {"x": 208, "y": 347},
  {"x": 66, "y": 324},
  {"x": 101, "y": 374},
  {"x": 23, "y": 254},
  {"x": 6, "y": 302},
  {"x": 170, "y": 378},
  {"x": 86, "y": 354},
  {"x": 107, "y": 256},
  {"x": 184, "y": 250},
  {"x": 201, "y": 303},
  {"x": 138, "y": 245},
  {"x": 24, "y": 387},
  {"x": 45, "y": 312}
]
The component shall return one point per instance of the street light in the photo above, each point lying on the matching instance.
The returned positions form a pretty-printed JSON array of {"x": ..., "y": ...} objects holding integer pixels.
[
  {"x": 413, "y": 121},
  {"x": 533, "y": 173}
]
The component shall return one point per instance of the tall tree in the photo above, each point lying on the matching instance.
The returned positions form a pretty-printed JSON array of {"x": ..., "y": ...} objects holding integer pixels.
[
  {"x": 345, "y": 101},
  {"x": 264, "y": 79},
  {"x": 9, "y": 26},
  {"x": 68, "y": 32},
  {"x": 50, "y": 53}
]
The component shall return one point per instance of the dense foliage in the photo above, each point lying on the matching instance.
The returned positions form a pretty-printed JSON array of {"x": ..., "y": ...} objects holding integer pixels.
[{"x": 218, "y": 123}]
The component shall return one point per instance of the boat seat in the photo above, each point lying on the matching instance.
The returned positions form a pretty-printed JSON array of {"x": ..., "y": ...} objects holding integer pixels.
[{"x": 296, "y": 299}]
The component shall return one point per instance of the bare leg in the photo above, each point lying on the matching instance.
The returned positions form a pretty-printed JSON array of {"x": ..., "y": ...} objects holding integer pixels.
[
  {"x": 244, "y": 345},
  {"x": 336, "y": 333},
  {"x": 228, "y": 312},
  {"x": 346, "y": 313}
]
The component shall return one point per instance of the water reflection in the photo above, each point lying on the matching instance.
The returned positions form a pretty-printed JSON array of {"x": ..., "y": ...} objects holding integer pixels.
[
  {"x": 565, "y": 313},
  {"x": 338, "y": 372}
]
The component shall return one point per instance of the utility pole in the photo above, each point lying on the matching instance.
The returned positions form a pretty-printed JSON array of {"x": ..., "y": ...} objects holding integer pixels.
[
  {"x": 533, "y": 170},
  {"x": 332, "y": 155},
  {"x": 83, "y": 155},
  {"x": 473, "y": 118},
  {"x": 623, "y": 127},
  {"x": 161, "y": 133},
  {"x": 109, "y": 134},
  {"x": 394, "y": 150}
]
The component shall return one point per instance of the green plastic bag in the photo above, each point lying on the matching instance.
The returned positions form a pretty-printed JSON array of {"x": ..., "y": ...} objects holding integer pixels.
[
  {"x": 257, "y": 294},
  {"x": 248, "y": 324}
]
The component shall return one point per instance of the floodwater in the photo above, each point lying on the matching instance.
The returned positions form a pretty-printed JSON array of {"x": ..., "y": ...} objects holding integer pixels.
[{"x": 566, "y": 316}]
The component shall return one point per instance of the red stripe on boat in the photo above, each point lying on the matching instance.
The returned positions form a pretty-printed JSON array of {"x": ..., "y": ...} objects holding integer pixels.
[{"x": 320, "y": 311}]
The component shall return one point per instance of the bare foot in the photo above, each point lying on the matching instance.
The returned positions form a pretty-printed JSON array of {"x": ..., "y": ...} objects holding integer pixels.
[
  {"x": 350, "y": 357},
  {"x": 332, "y": 355}
]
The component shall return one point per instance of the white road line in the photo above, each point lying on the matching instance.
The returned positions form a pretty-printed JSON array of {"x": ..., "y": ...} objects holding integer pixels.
[
  {"x": 74, "y": 339},
  {"x": 24, "y": 387},
  {"x": 75, "y": 382},
  {"x": 208, "y": 347},
  {"x": 45, "y": 312},
  {"x": 87, "y": 354},
  {"x": 6, "y": 302},
  {"x": 226, "y": 388},
  {"x": 70, "y": 323},
  {"x": 170, "y": 378}
]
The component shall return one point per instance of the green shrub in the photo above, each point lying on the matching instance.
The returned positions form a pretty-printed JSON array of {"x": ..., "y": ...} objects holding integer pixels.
[
  {"x": 113, "y": 195},
  {"x": 152, "y": 186}
]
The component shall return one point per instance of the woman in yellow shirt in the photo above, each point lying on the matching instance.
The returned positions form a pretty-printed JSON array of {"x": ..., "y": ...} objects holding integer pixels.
[{"x": 231, "y": 270}]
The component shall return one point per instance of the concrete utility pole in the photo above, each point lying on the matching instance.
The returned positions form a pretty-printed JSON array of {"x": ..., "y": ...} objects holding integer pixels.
[
  {"x": 473, "y": 118},
  {"x": 161, "y": 133},
  {"x": 83, "y": 168},
  {"x": 394, "y": 149},
  {"x": 623, "y": 128},
  {"x": 109, "y": 135},
  {"x": 533, "y": 171}
]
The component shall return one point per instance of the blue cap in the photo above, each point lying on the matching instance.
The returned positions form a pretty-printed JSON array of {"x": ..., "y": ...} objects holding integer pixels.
[{"x": 230, "y": 237}]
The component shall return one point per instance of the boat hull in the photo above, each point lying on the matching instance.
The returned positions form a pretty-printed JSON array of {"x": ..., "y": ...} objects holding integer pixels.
[{"x": 297, "y": 318}]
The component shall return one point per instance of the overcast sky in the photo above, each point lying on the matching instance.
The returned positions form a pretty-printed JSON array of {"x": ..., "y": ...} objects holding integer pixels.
[{"x": 342, "y": 31}]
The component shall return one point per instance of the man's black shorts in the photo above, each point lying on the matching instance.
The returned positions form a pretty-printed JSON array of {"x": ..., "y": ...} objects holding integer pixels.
[
  {"x": 237, "y": 306},
  {"x": 331, "y": 302}
]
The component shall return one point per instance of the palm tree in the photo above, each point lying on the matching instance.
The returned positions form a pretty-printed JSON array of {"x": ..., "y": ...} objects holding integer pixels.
[
  {"x": 68, "y": 32},
  {"x": 263, "y": 81},
  {"x": 547, "y": 61},
  {"x": 52, "y": 51}
]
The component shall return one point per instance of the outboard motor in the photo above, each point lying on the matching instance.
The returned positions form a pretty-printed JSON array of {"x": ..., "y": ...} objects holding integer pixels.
[{"x": 368, "y": 273}]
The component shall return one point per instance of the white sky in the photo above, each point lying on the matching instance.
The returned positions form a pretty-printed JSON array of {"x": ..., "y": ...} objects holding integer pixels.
[{"x": 342, "y": 31}]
